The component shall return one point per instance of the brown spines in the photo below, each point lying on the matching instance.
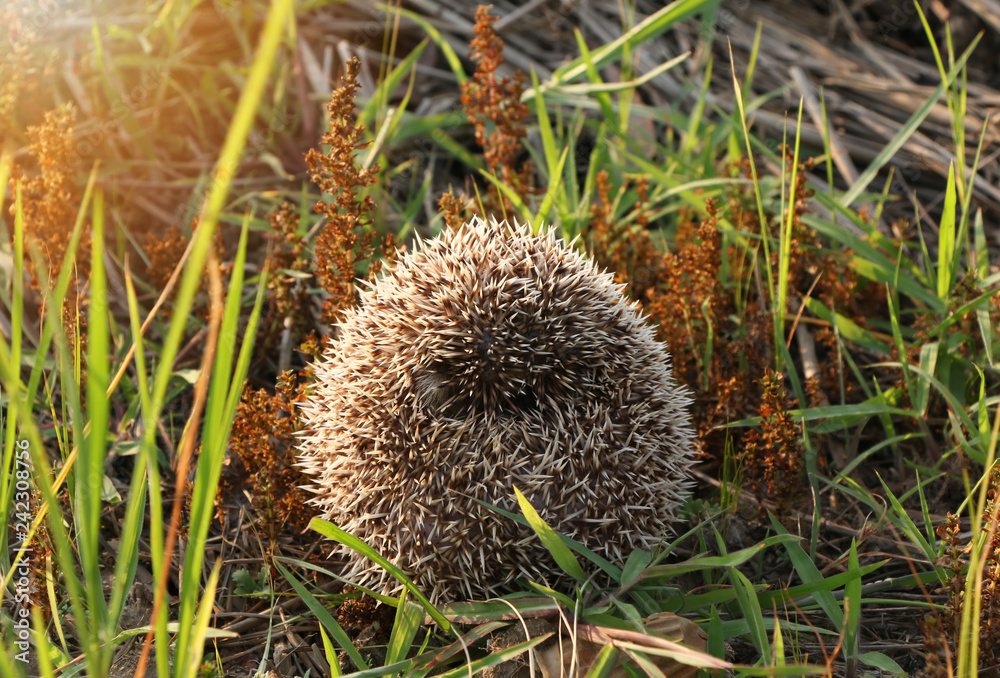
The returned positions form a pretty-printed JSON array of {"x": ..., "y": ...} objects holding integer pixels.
[{"x": 486, "y": 359}]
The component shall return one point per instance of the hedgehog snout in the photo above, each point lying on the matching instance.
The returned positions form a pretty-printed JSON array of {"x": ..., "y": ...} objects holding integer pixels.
[
  {"x": 486, "y": 345},
  {"x": 493, "y": 375}
]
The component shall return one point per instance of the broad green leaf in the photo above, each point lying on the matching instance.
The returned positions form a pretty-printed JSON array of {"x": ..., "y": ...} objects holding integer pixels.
[
  {"x": 637, "y": 561},
  {"x": 928, "y": 363},
  {"x": 881, "y": 662}
]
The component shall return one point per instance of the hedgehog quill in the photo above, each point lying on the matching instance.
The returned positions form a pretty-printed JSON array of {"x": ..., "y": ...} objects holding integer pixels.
[{"x": 485, "y": 359}]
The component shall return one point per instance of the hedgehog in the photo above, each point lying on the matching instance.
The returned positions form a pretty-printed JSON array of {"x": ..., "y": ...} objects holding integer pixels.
[{"x": 489, "y": 358}]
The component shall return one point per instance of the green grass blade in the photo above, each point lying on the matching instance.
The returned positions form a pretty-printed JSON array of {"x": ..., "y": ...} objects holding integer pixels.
[
  {"x": 277, "y": 21},
  {"x": 404, "y": 630},
  {"x": 325, "y": 618},
  {"x": 330, "y": 653},
  {"x": 6, "y": 165},
  {"x": 861, "y": 458},
  {"x": 810, "y": 574},
  {"x": 560, "y": 552},
  {"x": 750, "y": 607},
  {"x": 459, "y": 645},
  {"x": 840, "y": 415},
  {"x": 869, "y": 261},
  {"x": 892, "y": 302},
  {"x": 958, "y": 314},
  {"x": 762, "y": 218},
  {"x": 509, "y": 193},
  {"x": 697, "y": 563},
  {"x": 906, "y": 131},
  {"x": 366, "y": 116},
  {"x": 200, "y": 630},
  {"x": 969, "y": 631},
  {"x": 785, "y": 252},
  {"x": 957, "y": 407},
  {"x": 496, "y": 658},
  {"x": 605, "y": 663},
  {"x": 224, "y": 390},
  {"x": 947, "y": 264},
  {"x": 226, "y": 166},
  {"x": 545, "y": 131},
  {"x": 330, "y": 530},
  {"x": 90, "y": 463},
  {"x": 603, "y": 99},
  {"x": 852, "y": 606},
  {"x": 42, "y": 474},
  {"x": 66, "y": 270},
  {"x": 128, "y": 554},
  {"x": 806, "y": 594},
  {"x": 435, "y": 35},
  {"x": 847, "y": 328},
  {"x": 907, "y": 524},
  {"x": 970, "y": 184},
  {"x": 655, "y": 24},
  {"x": 555, "y": 186}
]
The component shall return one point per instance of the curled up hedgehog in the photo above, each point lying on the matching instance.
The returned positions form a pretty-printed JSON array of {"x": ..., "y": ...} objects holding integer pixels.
[{"x": 490, "y": 358}]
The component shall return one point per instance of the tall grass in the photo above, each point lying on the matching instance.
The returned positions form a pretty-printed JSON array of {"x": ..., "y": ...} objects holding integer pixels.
[{"x": 224, "y": 366}]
